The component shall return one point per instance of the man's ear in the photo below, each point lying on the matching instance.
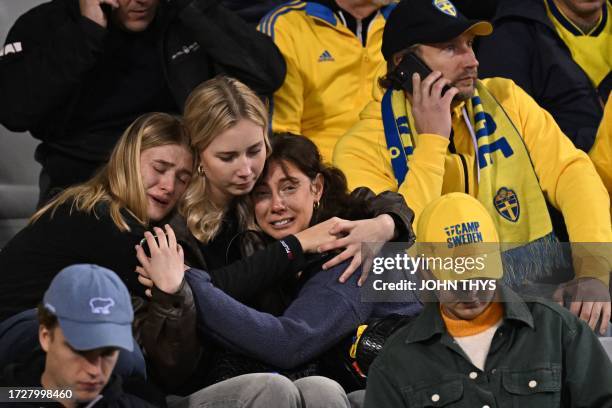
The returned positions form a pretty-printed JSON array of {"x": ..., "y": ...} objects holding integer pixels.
[
  {"x": 44, "y": 337},
  {"x": 318, "y": 184}
]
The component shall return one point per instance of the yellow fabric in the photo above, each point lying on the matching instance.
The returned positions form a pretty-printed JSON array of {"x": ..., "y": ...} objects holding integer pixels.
[
  {"x": 457, "y": 225},
  {"x": 321, "y": 97},
  {"x": 499, "y": 175},
  {"x": 463, "y": 328},
  {"x": 353, "y": 350},
  {"x": 592, "y": 53},
  {"x": 567, "y": 177},
  {"x": 601, "y": 152}
]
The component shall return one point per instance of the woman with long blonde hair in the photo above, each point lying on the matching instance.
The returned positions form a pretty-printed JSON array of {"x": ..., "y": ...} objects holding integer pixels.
[
  {"x": 101, "y": 220},
  {"x": 228, "y": 124}
]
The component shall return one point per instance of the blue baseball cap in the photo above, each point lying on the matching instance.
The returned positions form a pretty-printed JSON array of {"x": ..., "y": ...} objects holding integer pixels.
[{"x": 93, "y": 307}]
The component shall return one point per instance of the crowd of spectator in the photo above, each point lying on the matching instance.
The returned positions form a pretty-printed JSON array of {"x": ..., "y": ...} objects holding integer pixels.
[{"x": 212, "y": 170}]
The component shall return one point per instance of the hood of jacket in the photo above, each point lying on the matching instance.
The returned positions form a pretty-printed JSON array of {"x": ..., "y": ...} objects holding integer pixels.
[{"x": 533, "y": 10}]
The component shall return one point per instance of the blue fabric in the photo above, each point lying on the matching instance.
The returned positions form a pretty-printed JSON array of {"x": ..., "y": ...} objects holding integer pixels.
[
  {"x": 399, "y": 161},
  {"x": 19, "y": 336},
  {"x": 267, "y": 23},
  {"x": 324, "y": 312},
  {"x": 321, "y": 11},
  {"x": 386, "y": 11}
]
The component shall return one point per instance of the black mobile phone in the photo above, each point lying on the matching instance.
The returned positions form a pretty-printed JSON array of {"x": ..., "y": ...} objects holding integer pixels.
[{"x": 401, "y": 76}]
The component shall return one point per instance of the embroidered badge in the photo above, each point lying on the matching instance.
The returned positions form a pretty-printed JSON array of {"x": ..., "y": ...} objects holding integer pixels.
[
  {"x": 507, "y": 204},
  {"x": 101, "y": 305},
  {"x": 446, "y": 7}
]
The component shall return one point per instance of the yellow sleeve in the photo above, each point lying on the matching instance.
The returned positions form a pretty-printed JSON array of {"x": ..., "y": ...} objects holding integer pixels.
[
  {"x": 288, "y": 101},
  {"x": 362, "y": 155},
  {"x": 567, "y": 176},
  {"x": 569, "y": 180},
  {"x": 601, "y": 153},
  {"x": 423, "y": 182}
]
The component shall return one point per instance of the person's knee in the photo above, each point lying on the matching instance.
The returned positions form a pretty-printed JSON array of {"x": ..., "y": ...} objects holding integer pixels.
[
  {"x": 274, "y": 390},
  {"x": 357, "y": 398},
  {"x": 319, "y": 391},
  {"x": 261, "y": 390}
]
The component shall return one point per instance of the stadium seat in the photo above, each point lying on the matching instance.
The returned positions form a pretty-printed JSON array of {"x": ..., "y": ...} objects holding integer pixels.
[{"x": 18, "y": 170}]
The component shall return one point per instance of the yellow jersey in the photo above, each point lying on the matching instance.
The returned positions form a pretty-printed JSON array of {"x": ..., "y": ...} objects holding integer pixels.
[
  {"x": 566, "y": 175},
  {"x": 592, "y": 50},
  {"x": 329, "y": 70}
]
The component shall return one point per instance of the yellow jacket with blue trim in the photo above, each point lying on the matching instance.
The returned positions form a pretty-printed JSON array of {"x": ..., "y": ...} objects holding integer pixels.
[
  {"x": 566, "y": 175},
  {"x": 329, "y": 71}
]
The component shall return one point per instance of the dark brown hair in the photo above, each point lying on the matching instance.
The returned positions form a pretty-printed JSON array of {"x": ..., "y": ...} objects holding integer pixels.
[
  {"x": 46, "y": 318},
  {"x": 303, "y": 154}
]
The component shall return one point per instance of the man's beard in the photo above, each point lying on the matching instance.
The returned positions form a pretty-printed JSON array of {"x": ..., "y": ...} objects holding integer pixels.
[{"x": 463, "y": 95}]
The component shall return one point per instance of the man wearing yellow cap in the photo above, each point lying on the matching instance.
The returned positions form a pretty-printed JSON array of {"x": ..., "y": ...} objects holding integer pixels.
[
  {"x": 487, "y": 138},
  {"x": 489, "y": 347}
]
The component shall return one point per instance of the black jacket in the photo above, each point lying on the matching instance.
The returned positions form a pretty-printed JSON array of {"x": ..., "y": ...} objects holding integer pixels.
[
  {"x": 28, "y": 372},
  {"x": 251, "y": 10},
  {"x": 165, "y": 326},
  {"x": 526, "y": 48},
  {"x": 271, "y": 285},
  {"x": 44, "y": 82}
]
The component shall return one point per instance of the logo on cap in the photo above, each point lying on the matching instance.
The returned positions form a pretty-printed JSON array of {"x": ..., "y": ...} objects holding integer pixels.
[
  {"x": 446, "y": 7},
  {"x": 462, "y": 234},
  {"x": 101, "y": 305},
  {"x": 507, "y": 204}
]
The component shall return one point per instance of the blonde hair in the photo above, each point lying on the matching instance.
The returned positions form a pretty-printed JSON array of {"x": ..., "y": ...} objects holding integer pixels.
[
  {"x": 212, "y": 108},
  {"x": 119, "y": 182}
]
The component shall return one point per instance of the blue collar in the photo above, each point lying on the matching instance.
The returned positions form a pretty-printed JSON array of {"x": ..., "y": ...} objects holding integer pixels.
[
  {"x": 326, "y": 14},
  {"x": 320, "y": 11}
]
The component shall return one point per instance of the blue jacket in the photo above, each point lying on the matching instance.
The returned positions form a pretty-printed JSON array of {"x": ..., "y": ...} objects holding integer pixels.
[
  {"x": 323, "y": 313},
  {"x": 533, "y": 56}
]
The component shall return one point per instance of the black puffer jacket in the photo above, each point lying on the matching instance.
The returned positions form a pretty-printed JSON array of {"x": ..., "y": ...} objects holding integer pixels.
[
  {"x": 27, "y": 373},
  {"x": 76, "y": 86}
]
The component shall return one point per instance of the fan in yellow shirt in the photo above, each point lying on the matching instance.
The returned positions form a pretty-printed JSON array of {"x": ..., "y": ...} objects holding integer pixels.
[
  {"x": 487, "y": 138},
  {"x": 332, "y": 51}
]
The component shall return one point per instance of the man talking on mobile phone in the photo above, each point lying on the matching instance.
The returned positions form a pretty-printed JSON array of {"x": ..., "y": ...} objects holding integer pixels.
[
  {"x": 76, "y": 73},
  {"x": 486, "y": 138}
]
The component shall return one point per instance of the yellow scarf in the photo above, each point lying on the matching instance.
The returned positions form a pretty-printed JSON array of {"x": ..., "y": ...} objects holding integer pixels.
[{"x": 507, "y": 187}]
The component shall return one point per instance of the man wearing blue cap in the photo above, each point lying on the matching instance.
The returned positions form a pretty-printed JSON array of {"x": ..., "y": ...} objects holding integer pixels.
[{"x": 85, "y": 319}]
